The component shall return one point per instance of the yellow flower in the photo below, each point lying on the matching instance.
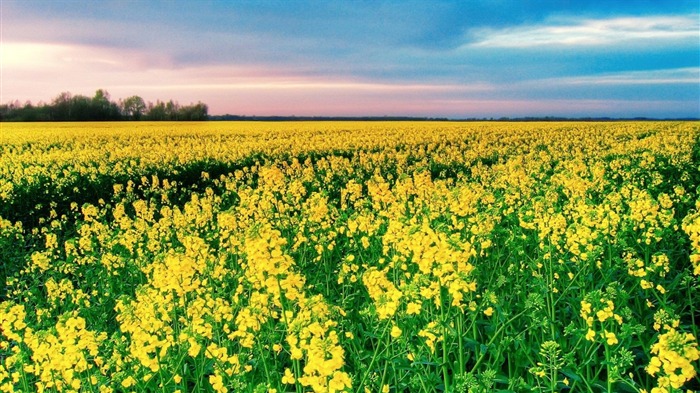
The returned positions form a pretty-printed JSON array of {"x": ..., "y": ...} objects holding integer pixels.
[
  {"x": 340, "y": 382},
  {"x": 604, "y": 314},
  {"x": 395, "y": 332},
  {"x": 413, "y": 308},
  {"x": 585, "y": 308},
  {"x": 610, "y": 337},
  {"x": 288, "y": 377},
  {"x": 296, "y": 353},
  {"x": 488, "y": 312},
  {"x": 217, "y": 382},
  {"x": 590, "y": 336},
  {"x": 365, "y": 242},
  {"x": 194, "y": 349},
  {"x": 654, "y": 366},
  {"x": 128, "y": 382}
]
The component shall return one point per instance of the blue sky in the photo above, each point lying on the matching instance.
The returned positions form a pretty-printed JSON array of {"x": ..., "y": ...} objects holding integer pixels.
[{"x": 418, "y": 58}]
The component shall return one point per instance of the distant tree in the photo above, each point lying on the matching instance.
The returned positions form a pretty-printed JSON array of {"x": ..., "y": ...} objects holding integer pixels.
[
  {"x": 81, "y": 109},
  {"x": 133, "y": 108},
  {"x": 29, "y": 112},
  {"x": 171, "y": 110},
  {"x": 14, "y": 111},
  {"x": 61, "y": 107},
  {"x": 156, "y": 111},
  {"x": 103, "y": 108},
  {"x": 101, "y": 99},
  {"x": 197, "y": 112},
  {"x": 100, "y": 105},
  {"x": 68, "y": 107}
]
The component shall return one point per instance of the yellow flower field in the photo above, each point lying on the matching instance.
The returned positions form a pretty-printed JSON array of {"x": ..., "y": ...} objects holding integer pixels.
[{"x": 350, "y": 257}]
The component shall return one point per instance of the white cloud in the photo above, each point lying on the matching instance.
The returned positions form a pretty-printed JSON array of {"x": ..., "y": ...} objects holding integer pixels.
[
  {"x": 592, "y": 32},
  {"x": 41, "y": 56},
  {"x": 688, "y": 75}
]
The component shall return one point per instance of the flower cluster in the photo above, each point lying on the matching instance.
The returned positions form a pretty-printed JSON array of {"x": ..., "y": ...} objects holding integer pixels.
[{"x": 672, "y": 360}]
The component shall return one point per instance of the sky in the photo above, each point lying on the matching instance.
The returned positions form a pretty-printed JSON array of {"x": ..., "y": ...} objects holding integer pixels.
[{"x": 455, "y": 59}]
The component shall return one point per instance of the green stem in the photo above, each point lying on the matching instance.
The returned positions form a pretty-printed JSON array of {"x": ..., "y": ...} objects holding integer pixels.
[
  {"x": 25, "y": 384},
  {"x": 692, "y": 309},
  {"x": 445, "y": 376},
  {"x": 160, "y": 372},
  {"x": 460, "y": 351},
  {"x": 262, "y": 357},
  {"x": 569, "y": 286},
  {"x": 495, "y": 336},
  {"x": 371, "y": 363},
  {"x": 585, "y": 381},
  {"x": 550, "y": 297},
  {"x": 386, "y": 365},
  {"x": 295, "y": 362},
  {"x": 607, "y": 368}
]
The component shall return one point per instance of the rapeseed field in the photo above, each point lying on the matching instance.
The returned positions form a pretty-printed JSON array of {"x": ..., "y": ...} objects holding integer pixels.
[{"x": 350, "y": 257}]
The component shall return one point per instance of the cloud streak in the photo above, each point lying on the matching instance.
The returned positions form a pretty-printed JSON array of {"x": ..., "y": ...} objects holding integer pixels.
[
  {"x": 593, "y": 32},
  {"x": 687, "y": 76}
]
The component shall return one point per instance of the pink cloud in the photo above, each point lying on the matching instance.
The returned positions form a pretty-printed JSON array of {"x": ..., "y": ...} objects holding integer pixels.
[
  {"x": 33, "y": 71},
  {"x": 41, "y": 71}
]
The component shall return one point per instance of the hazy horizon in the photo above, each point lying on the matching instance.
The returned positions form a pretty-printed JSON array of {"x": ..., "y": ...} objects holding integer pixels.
[{"x": 454, "y": 59}]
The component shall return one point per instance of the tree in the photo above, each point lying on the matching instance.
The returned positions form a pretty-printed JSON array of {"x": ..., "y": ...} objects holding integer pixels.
[
  {"x": 103, "y": 108},
  {"x": 197, "y": 112},
  {"x": 133, "y": 107},
  {"x": 156, "y": 111},
  {"x": 171, "y": 110},
  {"x": 81, "y": 109},
  {"x": 68, "y": 107},
  {"x": 62, "y": 107}
]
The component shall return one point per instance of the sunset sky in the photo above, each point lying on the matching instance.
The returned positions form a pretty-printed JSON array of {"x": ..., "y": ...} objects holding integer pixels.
[{"x": 454, "y": 59}]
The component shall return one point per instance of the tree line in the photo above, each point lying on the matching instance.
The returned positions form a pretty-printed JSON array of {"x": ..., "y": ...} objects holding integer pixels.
[{"x": 69, "y": 107}]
